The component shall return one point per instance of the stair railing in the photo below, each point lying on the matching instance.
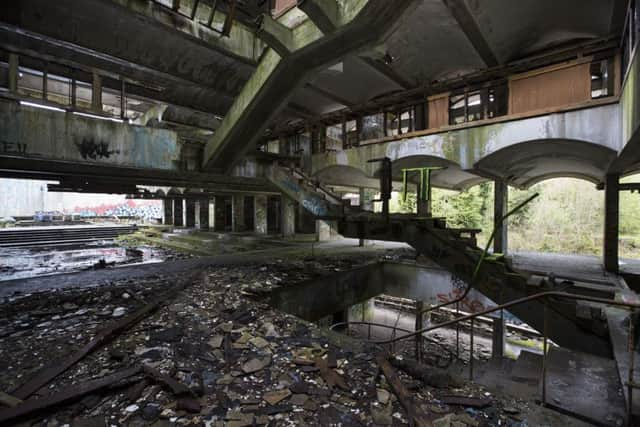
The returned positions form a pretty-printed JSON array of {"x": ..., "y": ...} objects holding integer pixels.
[{"x": 538, "y": 296}]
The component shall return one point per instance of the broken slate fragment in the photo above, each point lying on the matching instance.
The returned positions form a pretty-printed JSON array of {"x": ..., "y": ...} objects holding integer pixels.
[
  {"x": 275, "y": 397},
  {"x": 216, "y": 341},
  {"x": 255, "y": 364},
  {"x": 189, "y": 405}
]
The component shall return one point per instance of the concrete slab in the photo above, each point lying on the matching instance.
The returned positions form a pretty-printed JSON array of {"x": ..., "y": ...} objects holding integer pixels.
[{"x": 585, "y": 385}]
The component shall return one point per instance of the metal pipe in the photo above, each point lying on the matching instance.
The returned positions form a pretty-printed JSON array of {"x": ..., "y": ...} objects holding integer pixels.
[
  {"x": 457, "y": 331},
  {"x": 540, "y": 295},
  {"x": 484, "y": 254},
  {"x": 471, "y": 353},
  {"x": 631, "y": 344},
  {"x": 544, "y": 356}
]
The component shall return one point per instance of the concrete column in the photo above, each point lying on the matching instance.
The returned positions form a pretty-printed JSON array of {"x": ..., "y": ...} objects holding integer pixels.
[
  {"x": 500, "y": 204},
  {"x": 260, "y": 214},
  {"x": 203, "y": 213},
  {"x": 323, "y": 230},
  {"x": 237, "y": 201},
  {"x": 178, "y": 212},
  {"x": 190, "y": 212},
  {"x": 167, "y": 208},
  {"x": 366, "y": 203},
  {"x": 288, "y": 216},
  {"x": 96, "y": 93},
  {"x": 611, "y": 222},
  {"x": 423, "y": 205},
  {"x": 497, "y": 346},
  {"x": 13, "y": 72},
  {"x": 218, "y": 213}
]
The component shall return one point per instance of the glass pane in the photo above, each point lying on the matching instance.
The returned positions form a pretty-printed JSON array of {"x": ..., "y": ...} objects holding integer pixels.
[
  {"x": 111, "y": 102},
  {"x": 83, "y": 95},
  {"x": 406, "y": 120},
  {"x": 30, "y": 82},
  {"x": 372, "y": 127},
  {"x": 58, "y": 89},
  {"x": 392, "y": 124},
  {"x": 474, "y": 106},
  {"x": 333, "y": 137}
]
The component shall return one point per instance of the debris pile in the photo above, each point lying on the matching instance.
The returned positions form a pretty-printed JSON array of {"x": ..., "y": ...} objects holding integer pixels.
[{"x": 199, "y": 350}]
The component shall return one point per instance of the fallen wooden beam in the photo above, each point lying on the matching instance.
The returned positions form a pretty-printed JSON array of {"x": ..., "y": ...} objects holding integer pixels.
[
  {"x": 402, "y": 393},
  {"x": 74, "y": 392},
  {"x": 474, "y": 402},
  {"x": 8, "y": 400},
  {"x": 47, "y": 374}
]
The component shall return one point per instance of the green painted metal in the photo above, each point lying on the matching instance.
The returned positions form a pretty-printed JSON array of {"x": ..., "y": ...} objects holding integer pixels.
[{"x": 425, "y": 181}]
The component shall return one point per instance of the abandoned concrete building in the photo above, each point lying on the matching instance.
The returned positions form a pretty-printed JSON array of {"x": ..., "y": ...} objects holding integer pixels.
[{"x": 269, "y": 277}]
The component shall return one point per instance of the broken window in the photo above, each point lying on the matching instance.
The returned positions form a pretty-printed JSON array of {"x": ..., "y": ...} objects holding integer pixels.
[
  {"x": 372, "y": 127},
  {"x": 601, "y": 78},
  {"x": 30, "y": 82},
  {"x": 111, "y": 102},
  {"x": 351, "y": 128},
  {"x": 333, "y": 137},
  {"x": 479, "y": 104},
  {"x": 4, "y": 70},
  {"x": 84, "y": 92},
  {"x": 406, "y": 121},
  {"x": 393, "y": 123},
  {"x": 58, "y": 89}
]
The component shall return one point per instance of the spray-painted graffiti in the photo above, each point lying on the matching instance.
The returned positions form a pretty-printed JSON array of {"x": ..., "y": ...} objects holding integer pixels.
[
  {"x": 95, "y": 150},
  {"x": 470, "y": 304},
  {"x": 315, "y": 206},
  {"x": 13, "y": 147},
  {"x": 287, "y": 183}
]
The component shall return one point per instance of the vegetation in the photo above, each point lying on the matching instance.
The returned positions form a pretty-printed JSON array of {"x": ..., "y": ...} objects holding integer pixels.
[{"x": 567, "y": 217}]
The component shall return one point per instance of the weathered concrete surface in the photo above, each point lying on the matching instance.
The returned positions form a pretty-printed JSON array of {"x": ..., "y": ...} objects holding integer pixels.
[
  {"x": 629, "y": 156},
  {"x": 580, "y": 143},
  {"x": 237, "y": 201},
  {"x": 288, "y": 216},
  {"x": 260, "y": 214},
  {"x": 361, "y": 23},
  {"x": 38, "y": 133}
]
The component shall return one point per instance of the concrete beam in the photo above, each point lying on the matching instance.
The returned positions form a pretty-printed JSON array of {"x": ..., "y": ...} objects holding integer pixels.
[
  {"x": 468, "y": 24},
  {"x": 276, "y": 35},
  {"x": 329, "y": 95},
  {"x": 158, "y": 47},
  {"x": 276, "y": 78},
  {"x": 241, "y": 43},
  {"x": 325, "y": 14}
]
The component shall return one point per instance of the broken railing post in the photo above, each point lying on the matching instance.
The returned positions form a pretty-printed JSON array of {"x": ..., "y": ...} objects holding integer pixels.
[
  {"x": 419, "y": 325},
  {"x": 544, "y": 355}
]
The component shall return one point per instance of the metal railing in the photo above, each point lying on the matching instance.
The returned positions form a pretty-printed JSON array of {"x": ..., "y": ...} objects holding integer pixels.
[{"x": 630, "y": 384}]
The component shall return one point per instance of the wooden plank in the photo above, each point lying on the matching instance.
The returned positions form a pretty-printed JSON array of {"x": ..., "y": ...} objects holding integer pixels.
[
  {"x": 71, "y": 393},
  {"x": 402, "y": 393}
]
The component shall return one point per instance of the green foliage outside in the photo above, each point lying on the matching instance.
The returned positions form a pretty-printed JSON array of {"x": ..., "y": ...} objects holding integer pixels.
[{"x": 567, "y": 217}]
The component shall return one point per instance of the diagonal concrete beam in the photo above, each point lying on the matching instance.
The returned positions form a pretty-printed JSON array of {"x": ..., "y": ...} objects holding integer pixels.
[
  {"x": 324, "y": 13},
  {"x": 276, "y": 78},
  {"x": 276, "y": 35},
  {"x": 469, "y": 26}
]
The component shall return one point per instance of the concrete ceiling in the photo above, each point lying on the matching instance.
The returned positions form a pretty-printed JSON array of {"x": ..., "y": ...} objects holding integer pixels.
[{"x": 527, "y": 163}]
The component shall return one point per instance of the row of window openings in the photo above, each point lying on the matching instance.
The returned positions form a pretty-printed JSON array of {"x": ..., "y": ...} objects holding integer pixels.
[
  {"x": 198, "y": 11},
  {"x": 59, "y": 90}
]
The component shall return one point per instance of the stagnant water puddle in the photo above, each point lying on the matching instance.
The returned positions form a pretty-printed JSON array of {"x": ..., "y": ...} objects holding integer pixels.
[
  {"x": 358, "y": 296},
  {"x": 18, "y": 263}
]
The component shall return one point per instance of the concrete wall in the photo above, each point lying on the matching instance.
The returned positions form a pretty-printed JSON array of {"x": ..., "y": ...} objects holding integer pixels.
[
  {"x": 22, "y": 197},
  {"x": 39, "y": 133}
]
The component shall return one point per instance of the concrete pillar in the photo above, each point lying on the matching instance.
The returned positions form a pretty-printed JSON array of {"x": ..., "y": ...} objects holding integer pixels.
[
  {"x": 611, "y": 222},
  {"x": 203, "y": 213},
  {"x": 497, "y": 346},
  {"x": 190, "y": 212},
  {"x": 237, "y": 208},
  {"x": 219, "y": 214},
  {"x": 366, "y": 203},
  {"x": 167, "y": 208},
  {"x": 13, "y": 72},
  {"x": 260, "y": 214},
  {"x": 500, "y": 204},
  {"x": 96, "y": 93},
  {"x": 288, "y": 216},
  {"x": 323, "y": 230},
  {"x": 178, "y": 212}
]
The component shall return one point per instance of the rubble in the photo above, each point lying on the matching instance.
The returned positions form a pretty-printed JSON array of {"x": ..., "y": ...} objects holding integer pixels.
[{"x": 201, "y": 350}]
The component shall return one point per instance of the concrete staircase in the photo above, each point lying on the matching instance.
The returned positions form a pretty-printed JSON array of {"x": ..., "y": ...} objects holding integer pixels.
[{"x": 581, "y": 385}]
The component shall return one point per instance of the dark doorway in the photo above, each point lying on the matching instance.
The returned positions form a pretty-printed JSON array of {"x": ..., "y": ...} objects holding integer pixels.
[
  {"x": 223, "y": 211},
  {"x": 249, "y": 213},
  {"x": 273, "y": 214}
]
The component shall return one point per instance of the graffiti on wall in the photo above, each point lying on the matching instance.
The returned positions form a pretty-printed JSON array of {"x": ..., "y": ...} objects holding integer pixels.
[
  {"x": 315, "y": 206},
  {"x": 9, "y": 147},
  {"x": 90, "y": 149},
  {"x": 469, "y": 304}
]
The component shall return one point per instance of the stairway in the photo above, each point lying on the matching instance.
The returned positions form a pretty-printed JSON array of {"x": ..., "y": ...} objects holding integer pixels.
[
  {"x": 60, "y": 235},
  {"x": 573, "y": 325},
  {"x": 581, "y": 385}
]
